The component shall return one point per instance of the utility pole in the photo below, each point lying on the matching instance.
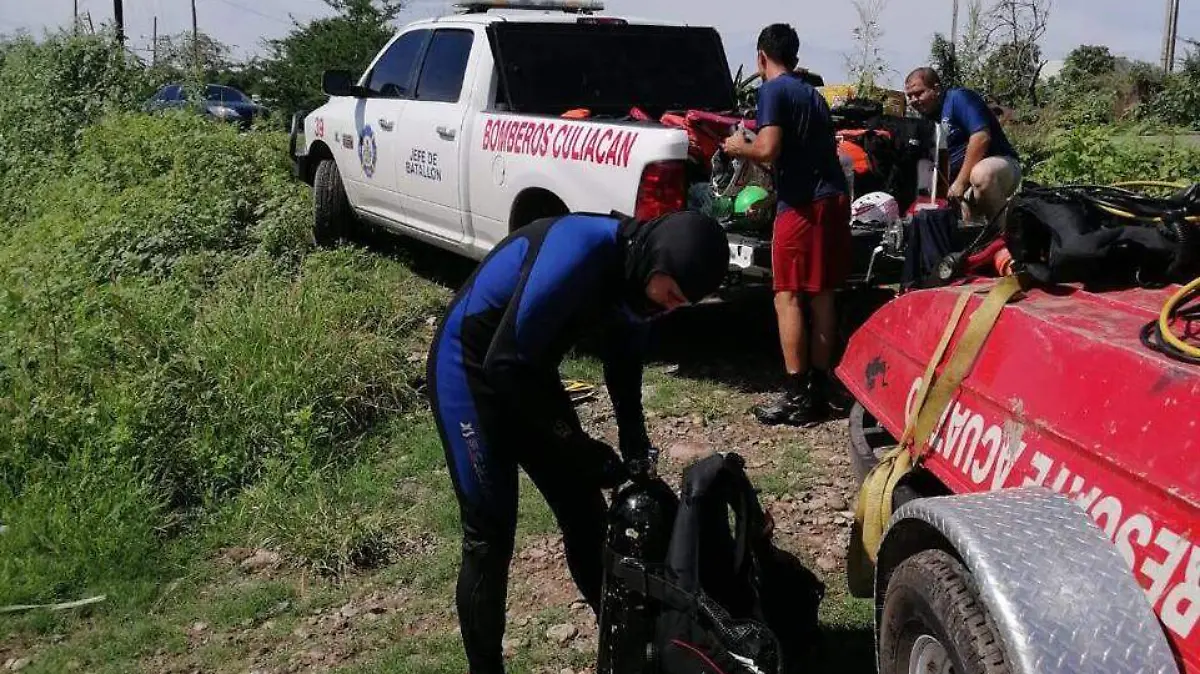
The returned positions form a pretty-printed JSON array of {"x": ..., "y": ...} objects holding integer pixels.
[
  {"x": 1170, "y": 35},
  {"x": 75, "y": 19},
  {"x": 119, "y": 16},
  {"x": 954, "y": 26},
  {"x": 91, "y": 26},
  {"x": 154, "y": 44},
  {"x": 195, "y": 39},
  {"x": 954, "y": 35},
  {"x": 1174, "y": 35}
]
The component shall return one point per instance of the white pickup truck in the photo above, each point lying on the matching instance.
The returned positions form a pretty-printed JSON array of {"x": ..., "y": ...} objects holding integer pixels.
[{"x": 468, "y": 127}]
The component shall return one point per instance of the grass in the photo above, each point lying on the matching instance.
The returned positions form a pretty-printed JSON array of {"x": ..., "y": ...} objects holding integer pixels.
[
  {"x": 440, "y": 654},
  {"x": 664, "y": 393},
  {"x": 840, "y": 611},
  {"x": 789, "y": 471},
  {"x": 251, "y": 604}
]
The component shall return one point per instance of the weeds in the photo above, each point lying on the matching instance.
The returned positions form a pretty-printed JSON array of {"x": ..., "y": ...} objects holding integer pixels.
[{"x": 171, "y": 338}]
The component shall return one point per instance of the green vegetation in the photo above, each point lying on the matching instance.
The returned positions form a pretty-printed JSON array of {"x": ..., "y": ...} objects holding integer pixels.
[
  {"x": 172, "y": 339},
  {"x": 1107, "y": 120}
]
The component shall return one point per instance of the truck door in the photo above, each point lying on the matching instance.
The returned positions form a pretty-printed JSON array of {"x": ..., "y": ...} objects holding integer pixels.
[
  {"x": 433, "y": 150},
  {"x": 371, "y": 148}
]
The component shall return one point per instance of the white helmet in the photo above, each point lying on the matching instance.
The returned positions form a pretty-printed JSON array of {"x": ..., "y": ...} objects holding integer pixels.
[{"x": 879, "y": 208}]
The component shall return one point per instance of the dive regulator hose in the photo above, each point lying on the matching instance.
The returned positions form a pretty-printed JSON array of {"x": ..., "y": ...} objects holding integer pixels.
[{"x": 1158, "y": 335}]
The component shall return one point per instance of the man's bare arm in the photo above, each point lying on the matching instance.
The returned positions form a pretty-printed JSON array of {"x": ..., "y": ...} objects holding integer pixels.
[{"x": 765, "y": 148}]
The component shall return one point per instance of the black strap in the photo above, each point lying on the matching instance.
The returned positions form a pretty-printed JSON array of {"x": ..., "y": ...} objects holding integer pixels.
[
  {"x": 749, "y": 514},
  {"x": 637, "y": 579}
]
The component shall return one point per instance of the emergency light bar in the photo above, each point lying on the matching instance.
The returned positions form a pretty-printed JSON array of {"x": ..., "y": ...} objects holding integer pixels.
[{"x": 569, "y": 6}]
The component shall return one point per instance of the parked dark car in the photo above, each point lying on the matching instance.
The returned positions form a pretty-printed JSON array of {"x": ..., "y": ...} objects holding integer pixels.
[{"x": 219, "y": 101}]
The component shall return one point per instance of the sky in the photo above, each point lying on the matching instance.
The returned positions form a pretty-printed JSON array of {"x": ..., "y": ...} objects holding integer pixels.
[{"x": 1128, "y": 28}]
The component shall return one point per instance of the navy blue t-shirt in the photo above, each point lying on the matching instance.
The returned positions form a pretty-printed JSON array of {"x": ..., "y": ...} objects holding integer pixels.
[
  {"x": 965, "y": 113},
  {"x": 807, "y": 168}
]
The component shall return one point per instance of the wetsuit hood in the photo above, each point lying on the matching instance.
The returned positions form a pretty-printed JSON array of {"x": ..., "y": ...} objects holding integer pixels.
[{"x": 688, "y": 246}]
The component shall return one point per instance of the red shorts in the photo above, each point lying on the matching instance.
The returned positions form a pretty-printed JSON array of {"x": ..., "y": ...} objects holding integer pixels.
[{"x": 810, "y": 247}]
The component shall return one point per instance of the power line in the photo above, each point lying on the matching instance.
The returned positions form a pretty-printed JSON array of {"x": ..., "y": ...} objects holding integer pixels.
[{"x": 256, "y": 12}]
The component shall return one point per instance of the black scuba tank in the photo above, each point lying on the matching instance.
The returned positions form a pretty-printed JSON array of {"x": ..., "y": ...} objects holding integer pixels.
[{"x": 640, "y": 523}]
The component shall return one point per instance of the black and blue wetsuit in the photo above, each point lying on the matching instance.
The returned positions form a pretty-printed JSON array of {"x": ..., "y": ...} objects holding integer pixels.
[{"x": 499, "y": 403}]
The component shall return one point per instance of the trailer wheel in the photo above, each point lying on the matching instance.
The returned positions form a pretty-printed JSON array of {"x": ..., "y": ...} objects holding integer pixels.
[
  {"x": 333, "y": 218},
  {"x": 934, "y": 622}
]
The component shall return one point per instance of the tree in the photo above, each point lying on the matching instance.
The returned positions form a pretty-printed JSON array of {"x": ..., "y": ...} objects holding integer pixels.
[
  {"x": 349, "y": 40},
  {"x": 1012, "y": 71},
  {"x": 176, "y": 56},
  {"x": 1087, "y": 62},
  {"x": 963, "y": 64},
  {"x": 1090, "y": 90},
  {"x": 973, "y": 47},
  {"x": 866, "y": 65},
  {"x": 945, "y": 61},
  {"x": 1013, "y": 67}
]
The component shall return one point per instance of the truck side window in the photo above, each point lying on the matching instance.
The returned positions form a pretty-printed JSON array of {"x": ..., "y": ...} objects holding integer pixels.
[
  {"x": 445, "y": 65},
  {"x": 393, "y": 72}
]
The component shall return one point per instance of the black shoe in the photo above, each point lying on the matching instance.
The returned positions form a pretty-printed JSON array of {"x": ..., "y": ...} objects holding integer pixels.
[
  {"x": 796, "y": 406},
  {"x": 829, "y": 393}
]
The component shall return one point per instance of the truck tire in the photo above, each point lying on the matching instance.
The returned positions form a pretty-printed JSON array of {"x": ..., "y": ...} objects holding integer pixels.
[
  {"x": 333, "y": 219},
  {"x": 934, "y": 622}
]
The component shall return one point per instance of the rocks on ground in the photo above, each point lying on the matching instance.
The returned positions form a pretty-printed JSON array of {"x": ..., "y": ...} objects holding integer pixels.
[{"x": 563, "y": 633}]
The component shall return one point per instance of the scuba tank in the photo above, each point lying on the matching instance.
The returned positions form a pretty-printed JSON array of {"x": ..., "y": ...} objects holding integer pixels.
[{"x": 640, "y": 523}]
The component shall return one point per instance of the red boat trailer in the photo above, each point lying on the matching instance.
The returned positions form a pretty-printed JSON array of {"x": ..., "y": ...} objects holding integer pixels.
[{"x": 1056, "y": 510}]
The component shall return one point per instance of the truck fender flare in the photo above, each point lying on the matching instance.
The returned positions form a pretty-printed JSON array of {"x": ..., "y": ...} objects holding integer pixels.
[{"x": 1056, "y": 587}]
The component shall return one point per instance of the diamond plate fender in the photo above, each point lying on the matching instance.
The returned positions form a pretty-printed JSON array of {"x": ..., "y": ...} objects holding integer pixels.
[{"x": 1058, "y": 590}]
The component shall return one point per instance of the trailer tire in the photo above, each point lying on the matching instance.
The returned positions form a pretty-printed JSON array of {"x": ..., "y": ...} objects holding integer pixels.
[
  {"x": 932, "y": 612},
  {"x": 333, "y": 219}
]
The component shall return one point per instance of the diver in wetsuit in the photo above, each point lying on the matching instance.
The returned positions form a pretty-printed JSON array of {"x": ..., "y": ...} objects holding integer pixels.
[{"x": 499, "y": 402}]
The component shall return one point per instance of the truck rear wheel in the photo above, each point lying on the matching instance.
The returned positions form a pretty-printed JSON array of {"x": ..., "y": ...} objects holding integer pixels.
[
  {"x": 934, "y": 622},
  {"x": 333, "y": 219}
]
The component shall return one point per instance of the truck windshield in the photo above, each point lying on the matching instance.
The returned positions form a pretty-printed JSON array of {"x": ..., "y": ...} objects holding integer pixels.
[{"x": 549, "y": 68}]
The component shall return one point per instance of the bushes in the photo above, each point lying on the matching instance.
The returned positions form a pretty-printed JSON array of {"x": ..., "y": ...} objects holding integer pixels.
[
  {"x": 168, "y": 337},
  {"x": 147, "y": 191},
  {"x": 1179, "y": 101},
  {"x": 1099, "y": 155},
  {"x": 52, "y": 91}
]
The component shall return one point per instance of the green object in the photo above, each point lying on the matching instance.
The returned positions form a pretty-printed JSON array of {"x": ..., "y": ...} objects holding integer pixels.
[
  {"x": 747, "y": 198},
  {"x": 722, "y": 207}
]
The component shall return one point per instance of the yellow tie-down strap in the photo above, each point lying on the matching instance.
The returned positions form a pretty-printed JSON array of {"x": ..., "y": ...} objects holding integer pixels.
[{"x": 874, "y": 508}]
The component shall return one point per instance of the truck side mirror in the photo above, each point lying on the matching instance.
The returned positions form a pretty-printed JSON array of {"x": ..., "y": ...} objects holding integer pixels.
[{"x": 339, "y": 83}]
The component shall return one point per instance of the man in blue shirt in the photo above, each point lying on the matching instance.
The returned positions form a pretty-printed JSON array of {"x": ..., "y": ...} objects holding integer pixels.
[
  {"x": 984, "y": 167},
  {"x": 810, "y": 242}
]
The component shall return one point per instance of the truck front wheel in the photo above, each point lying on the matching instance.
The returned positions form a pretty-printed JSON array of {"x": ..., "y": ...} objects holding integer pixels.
[
  {"x": 934, "y": 622},
  {"x": 333, "y": 219}
]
